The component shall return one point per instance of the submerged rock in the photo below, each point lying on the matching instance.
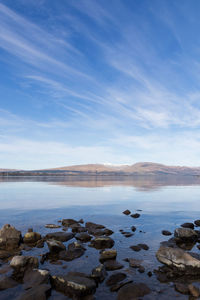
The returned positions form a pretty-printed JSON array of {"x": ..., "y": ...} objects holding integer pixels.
[
  {"x": 133, "y": 291},
  {"x": 99, "y": 273},
  {"x": 178, "y": 259},
  {"x": 60, "y": 236},
  {"x": 112, "y": 265},
  {"x": 115, "y": 278},
  {"x": 10, "y": 237},
  {"x": 74, "y": 284}
]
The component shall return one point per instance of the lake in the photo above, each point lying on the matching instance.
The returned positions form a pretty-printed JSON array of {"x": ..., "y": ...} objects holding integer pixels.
[{"x": 165, "y": 203}]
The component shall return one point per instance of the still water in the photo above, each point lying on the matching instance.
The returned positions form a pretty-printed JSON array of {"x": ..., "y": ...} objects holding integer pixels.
[{"x": 166, "y": 202}]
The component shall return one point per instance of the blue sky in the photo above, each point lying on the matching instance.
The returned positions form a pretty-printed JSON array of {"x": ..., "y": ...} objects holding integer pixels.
[{"x": 97, "y": 81}]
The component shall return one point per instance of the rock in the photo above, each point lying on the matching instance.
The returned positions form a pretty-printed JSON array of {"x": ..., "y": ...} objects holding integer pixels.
[
  {"x": 102, "y": 242},
  {"x": 55, "y": 246},
  {"x": 188, "y": 225},
  {"x": 135, "y": 215},
  {"x": 134, "y": 263},
  {"x": 115, "y": 278},
  {"x": 182, "y": 288},
  {"x": 99, "y": 273},
  {"x": 76, "y": 228},
  {"x": 10, "y": 238},
  {"x": 126, "y": 212},
  {"x": 51, "y": 226},
  {"x": 112, "y": 265},
  {"x": 40, "y": 292},
  {"x": 90, "y": 225},
  {"x": 40, "y": 243},
  {"x": 133, "y": 291},
  {"x": 83, "y": 237},
  {"x": 197, "y": 222},
  {"x": 133, "y": 228},
  {"x": 144, "y": 246},
  {"x": 20, "y": 264},
  {"x": 141, "y": 269},
  {"x": 149, "y": 273},
  {"x": 166, "y": 232},
  {"x": 60, "y": 236},
  {"x": 69, "y": 222},
  {"x": 117, "y": 286},
  {"x": 194, "y": 291},
  {"x": 135, "y": 248},
  {"x": 128, "y": 234},
  {"x": 4, "y": 254},
  {"x": 178, "y": 259},
  {"x": 31, "y": 237},
  {"x": 107, "y": 254},
  {"x": 74, "y": 284},
  {"x": 75, "y": 250},
  {"x": 35, "y": 277},
  {"x": 185, "y": 234},
  {"x": 7, "y": 283}
]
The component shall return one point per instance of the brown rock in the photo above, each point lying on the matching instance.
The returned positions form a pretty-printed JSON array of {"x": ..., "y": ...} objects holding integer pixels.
[
  {"x": 127, "y": 212},
  {"x": 133, "y": 291}
]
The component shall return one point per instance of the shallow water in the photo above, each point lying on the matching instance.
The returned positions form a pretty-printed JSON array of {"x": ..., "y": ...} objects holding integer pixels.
[{"x": 166, "y": 202}]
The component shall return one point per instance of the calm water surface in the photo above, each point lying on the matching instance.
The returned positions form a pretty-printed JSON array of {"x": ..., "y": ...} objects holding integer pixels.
[{"x": 166, "y": 202}]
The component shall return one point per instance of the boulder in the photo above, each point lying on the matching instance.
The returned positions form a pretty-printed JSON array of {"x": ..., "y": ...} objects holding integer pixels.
[
  {"x": 133, "y": 291},
  {"x": 55, "y": 246},
  {"x": 99, "y": 273},
  {"x": 74, "y": 284},
  {"x": 69, "y": 222},
  {"x": 102, "y": 242},
  {"x": 7, "y": 283},
  {"x": 107, "y": 254},
  {"x": 10, "y": 237},
  {"x": 35, "y": 277},
  {"x": 40, "y": 292},
  {"x": 185, "y": 234},
  {"x": 60, "y": 236},
  {"x": 31, "y": 237},
  {"x": 178, "y": 259},
  {"x": 21, "y": 264},
  {"x": 83, "y": 237}
]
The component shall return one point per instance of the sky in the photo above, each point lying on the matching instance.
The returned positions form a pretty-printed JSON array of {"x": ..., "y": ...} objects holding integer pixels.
[{"x": 98, "y": 81}]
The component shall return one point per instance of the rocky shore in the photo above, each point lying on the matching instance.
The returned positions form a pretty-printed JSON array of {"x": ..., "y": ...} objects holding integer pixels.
[{"x": 28, "y": 277}]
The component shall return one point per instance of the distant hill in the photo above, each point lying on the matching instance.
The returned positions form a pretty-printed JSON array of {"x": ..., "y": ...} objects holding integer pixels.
[{"x": 142, "y": 168}]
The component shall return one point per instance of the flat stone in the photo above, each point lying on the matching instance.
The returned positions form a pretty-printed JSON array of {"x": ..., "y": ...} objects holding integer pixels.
[
  {"x": 133, "y": 291},
  {"x": 69, "y": 222},
  {"x": 115, "y": 278},
  {"x": 74, "y": 284},
  {"x": 166, "y": 232},
  {"x": 102, "y": 242},
  {"x": 51, "y": 226},
  {"x": 134, "y": 263},
  {"x": 135, "y": 215},
  {"x": 119, "y": 285},
  {"x": 135, "y": 248},
  {"x": 112, "y": 265},
  {"x": 188, "y": 225},
  {"x": 60, "y": 236}
]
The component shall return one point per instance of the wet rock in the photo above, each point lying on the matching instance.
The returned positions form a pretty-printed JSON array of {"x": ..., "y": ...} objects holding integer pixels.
[
  {"x": 194, "y": 291},
  {"x": 69, "y": 222},
  {"x": 55, "y": 246},
  {"x": 35, "y": 277},
  {"x": 60, "y": 236},
  {"x": 141, "y": 269},
  {"x": 134, "y": 263},
  {"x": 197, "y": 222},
  {"x": 144, "y": 246},
  {"x": 133, "y": 228},
  {"x": 4, "y": 254},
  {"x": 102, "y": 242},
  {"x": 107, "y": 232},
  {"x": 75, "y": 250},
  {"x": 127, "y": 212},
  {"x": 115, "y": 278},
  {"x": 40, "y": 292},
  {"x": 185, "y": 234},
  {"x": 108, "y": 254},
  {"x": 149, "y": 273},
  {"x": 133, "y": 291},
  {"x": 135, "y": 248},
  {"x": 188, "y": 225},
  {"x": 74, "y": 284},
  {"x": 119, "y": 285},
  {"x": 182, "y": 288},
  {"x": 166, "y": 232},
  {"x": 7, "y": 283},
  {"x": 128, "y": 234},
  {"x": 112, "y": 265},
  {"x": 83, "y": 237},
  {"x": 20, "y": 264},
  {"x": 40, "y": 243},
  {"x": 10, "y": 238},
  {"x": 99, "y": 273},
  {"x": 76, "y": 228},
  {"x": 135, "y": 215},
  {"x": 31, "y": 237},
  {"x": 178, "y": 259},
  {"x": 51, "y": 226},
  {"x": 92, "y": 225}
]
